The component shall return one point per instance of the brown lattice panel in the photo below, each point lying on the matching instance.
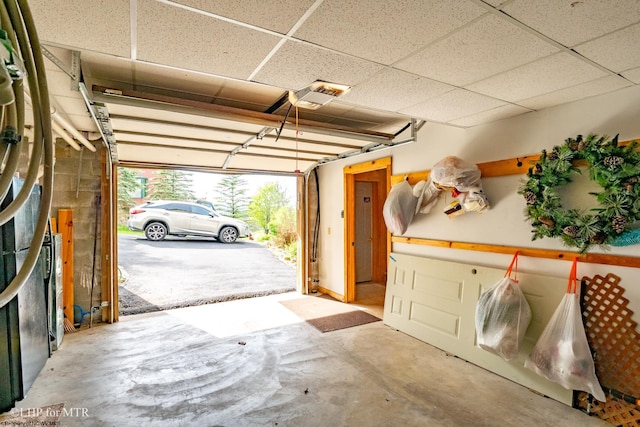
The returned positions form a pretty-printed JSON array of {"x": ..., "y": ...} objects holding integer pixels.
[
  {"x": 612, "y": 334},
  {"x": 615, "y": 342},
  {"x": 614, "y": 411}
]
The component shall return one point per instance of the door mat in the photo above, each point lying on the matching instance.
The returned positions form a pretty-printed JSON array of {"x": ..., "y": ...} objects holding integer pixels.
[{"x": 326, "y": 314}]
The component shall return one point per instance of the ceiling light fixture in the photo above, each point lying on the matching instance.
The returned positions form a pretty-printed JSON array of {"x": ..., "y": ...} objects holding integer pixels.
[{"x": 317, "y": 94}]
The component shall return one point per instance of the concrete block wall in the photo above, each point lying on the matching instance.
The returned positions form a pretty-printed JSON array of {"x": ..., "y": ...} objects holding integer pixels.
[{"x": 77, "y": 179}]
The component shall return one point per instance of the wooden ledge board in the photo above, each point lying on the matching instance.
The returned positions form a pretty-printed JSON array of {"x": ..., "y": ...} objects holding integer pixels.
[
  {"x": 513, "y": 166},
  {"x": 619, "y": 260}
]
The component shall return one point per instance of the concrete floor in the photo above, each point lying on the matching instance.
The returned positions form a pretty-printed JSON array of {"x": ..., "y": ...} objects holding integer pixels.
[{"x": 254, "y": 363}]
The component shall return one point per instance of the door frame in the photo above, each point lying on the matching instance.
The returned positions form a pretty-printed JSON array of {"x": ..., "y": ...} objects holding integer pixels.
[{"x": 384, "y": 244}]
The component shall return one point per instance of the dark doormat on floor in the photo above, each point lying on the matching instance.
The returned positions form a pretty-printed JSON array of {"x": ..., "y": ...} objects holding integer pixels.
[{"x": 327, "y": 314}]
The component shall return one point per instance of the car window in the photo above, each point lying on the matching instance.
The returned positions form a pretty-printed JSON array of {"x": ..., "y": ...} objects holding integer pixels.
[
  {"x": 200, "y": 210},
  {"x": 177, "y": 207}
]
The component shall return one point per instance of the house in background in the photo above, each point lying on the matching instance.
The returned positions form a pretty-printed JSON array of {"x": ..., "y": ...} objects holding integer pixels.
[{"x": 144, "y": 177}]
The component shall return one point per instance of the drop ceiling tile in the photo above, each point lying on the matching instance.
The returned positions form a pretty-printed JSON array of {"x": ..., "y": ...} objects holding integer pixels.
[
  {"x": 573, "y": 22},
  {"x": 486, "y": 47},
  {"x": 393, "y": 90},
  {"x": 296, "y": 65},
  {"x": 197, "y": 42},
  {"x": 453, "y": 105},
  {"x": 275, "y": 15},
  {"x": 546, "y": 75},
  {"x": 83, "y": 24},
  {"x": 633, "y": 75},
  {"x": 618, "y": 51},
  {"x": 584, "y": 90},
  {"x": 498, "y": 113},
  {"x": 384, "y": 31}
]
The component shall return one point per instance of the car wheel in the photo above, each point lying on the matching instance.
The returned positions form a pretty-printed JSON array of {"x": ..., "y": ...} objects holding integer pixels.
[
  {"x": 228, "y": 235},
  {"x": 155, "y": 231}
]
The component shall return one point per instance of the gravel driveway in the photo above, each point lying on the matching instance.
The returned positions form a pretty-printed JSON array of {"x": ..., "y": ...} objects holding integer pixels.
[{"x": 180, "y": 272}]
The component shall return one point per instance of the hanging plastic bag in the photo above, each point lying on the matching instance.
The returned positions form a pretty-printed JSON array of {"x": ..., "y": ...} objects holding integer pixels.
[
  {"x": 562, "y": 353},
  {"x": 427, "y": 194},
  {"x": 399, "y": 208},
  {"x": 454, "y": 172},
  {"x": 502, "y": 316}
]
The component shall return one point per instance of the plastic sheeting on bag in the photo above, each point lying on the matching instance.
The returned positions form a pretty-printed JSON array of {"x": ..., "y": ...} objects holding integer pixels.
[
  {"x": 502, "y": 318},
  {"x": 399, "y": 208},
  {"x": 562, "y": 353},
  {"x": 454, "y": 172},
  {"x": 427, "y": 194}
]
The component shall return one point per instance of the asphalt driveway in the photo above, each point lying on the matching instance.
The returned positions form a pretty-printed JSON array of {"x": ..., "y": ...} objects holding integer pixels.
[{"x": 180, "y": 272}]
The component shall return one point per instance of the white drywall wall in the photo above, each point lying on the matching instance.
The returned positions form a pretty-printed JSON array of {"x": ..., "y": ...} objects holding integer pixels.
[{"x": 504, "y": 224}]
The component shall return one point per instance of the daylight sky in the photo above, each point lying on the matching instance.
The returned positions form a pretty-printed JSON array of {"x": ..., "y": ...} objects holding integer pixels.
[{"x": 204, "y": 184}]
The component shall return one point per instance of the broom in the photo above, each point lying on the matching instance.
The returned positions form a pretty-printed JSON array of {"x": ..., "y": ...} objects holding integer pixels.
[{"x": 68, "y": 326}]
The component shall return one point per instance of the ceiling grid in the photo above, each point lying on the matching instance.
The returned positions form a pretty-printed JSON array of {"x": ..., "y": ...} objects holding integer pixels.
[{"x": 195, "y": 75}]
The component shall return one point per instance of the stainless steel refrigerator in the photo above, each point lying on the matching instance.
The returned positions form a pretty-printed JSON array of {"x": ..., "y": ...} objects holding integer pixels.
[{"x": 24, "y": 331}]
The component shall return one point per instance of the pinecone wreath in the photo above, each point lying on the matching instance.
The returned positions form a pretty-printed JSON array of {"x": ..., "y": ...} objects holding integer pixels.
[{"x": 615, "y": 168}]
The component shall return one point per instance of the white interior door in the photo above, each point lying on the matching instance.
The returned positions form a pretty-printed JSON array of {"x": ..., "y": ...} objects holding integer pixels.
[
  {"x": 435, "y": 302},
  {"x": 364, "y": 223}
]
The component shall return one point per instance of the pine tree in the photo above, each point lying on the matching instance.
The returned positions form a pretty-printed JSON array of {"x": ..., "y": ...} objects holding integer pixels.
[
  {"x": 232, "y": 199},
  {"x": 171, "y": 185},
  {"x": 128, "y": 184}
]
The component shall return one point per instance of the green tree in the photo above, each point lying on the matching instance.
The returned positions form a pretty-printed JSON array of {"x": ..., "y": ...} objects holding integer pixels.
[
  {"x": 128, "y": 184},
  {"x": 232, "y": 199},
  {"x": 269, "y": 198},
  {"x": 171, "y": 185}
]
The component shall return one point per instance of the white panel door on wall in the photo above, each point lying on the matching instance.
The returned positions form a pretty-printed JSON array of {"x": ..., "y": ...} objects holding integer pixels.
[
  {"x": 364, "y": 231},
  {"x": 435, "y": 301}
]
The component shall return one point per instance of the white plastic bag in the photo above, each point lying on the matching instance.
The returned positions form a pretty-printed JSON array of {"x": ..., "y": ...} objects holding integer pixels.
[
  {"x": 502, "y": 317},
  {"x": 399, "y": 208},
  {"x": 454, "y": 172},
  {"x": 562, "y": 353}
]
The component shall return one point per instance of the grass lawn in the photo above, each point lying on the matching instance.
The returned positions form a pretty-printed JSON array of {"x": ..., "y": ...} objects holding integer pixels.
[{"x": 123, "y": 229}]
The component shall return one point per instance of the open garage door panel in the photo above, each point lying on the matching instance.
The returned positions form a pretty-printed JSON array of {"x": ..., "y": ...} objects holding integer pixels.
[{"x": 177, "y": 132}]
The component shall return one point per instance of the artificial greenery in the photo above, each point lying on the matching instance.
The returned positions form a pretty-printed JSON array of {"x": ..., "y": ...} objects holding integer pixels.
[{"x": 615, "y": 168}]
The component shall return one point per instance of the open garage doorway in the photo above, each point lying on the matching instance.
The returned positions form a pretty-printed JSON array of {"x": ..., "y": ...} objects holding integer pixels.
[{"x": 190, "y": 238}]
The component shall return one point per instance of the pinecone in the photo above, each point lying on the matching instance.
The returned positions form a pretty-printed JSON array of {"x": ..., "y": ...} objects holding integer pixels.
[
  {"x": 619, "y": 223},
  {"x": 538, "y": 169},
  {"x": 553, "y": 155},
  {"x": 530, "y": 197},
  {"x": 570, "y": 230},
  {"x": 581, "y": 145},
  {"x": 613, "y": 161},
  {"x": 629, "y": 187},
  {"x": 598, "y": 238},
  {"x": 547, "y": 221},
  {"x": 573, "y": 145}
]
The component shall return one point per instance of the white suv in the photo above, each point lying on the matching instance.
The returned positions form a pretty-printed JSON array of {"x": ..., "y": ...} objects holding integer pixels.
[{"x": 160, "y": 218}]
